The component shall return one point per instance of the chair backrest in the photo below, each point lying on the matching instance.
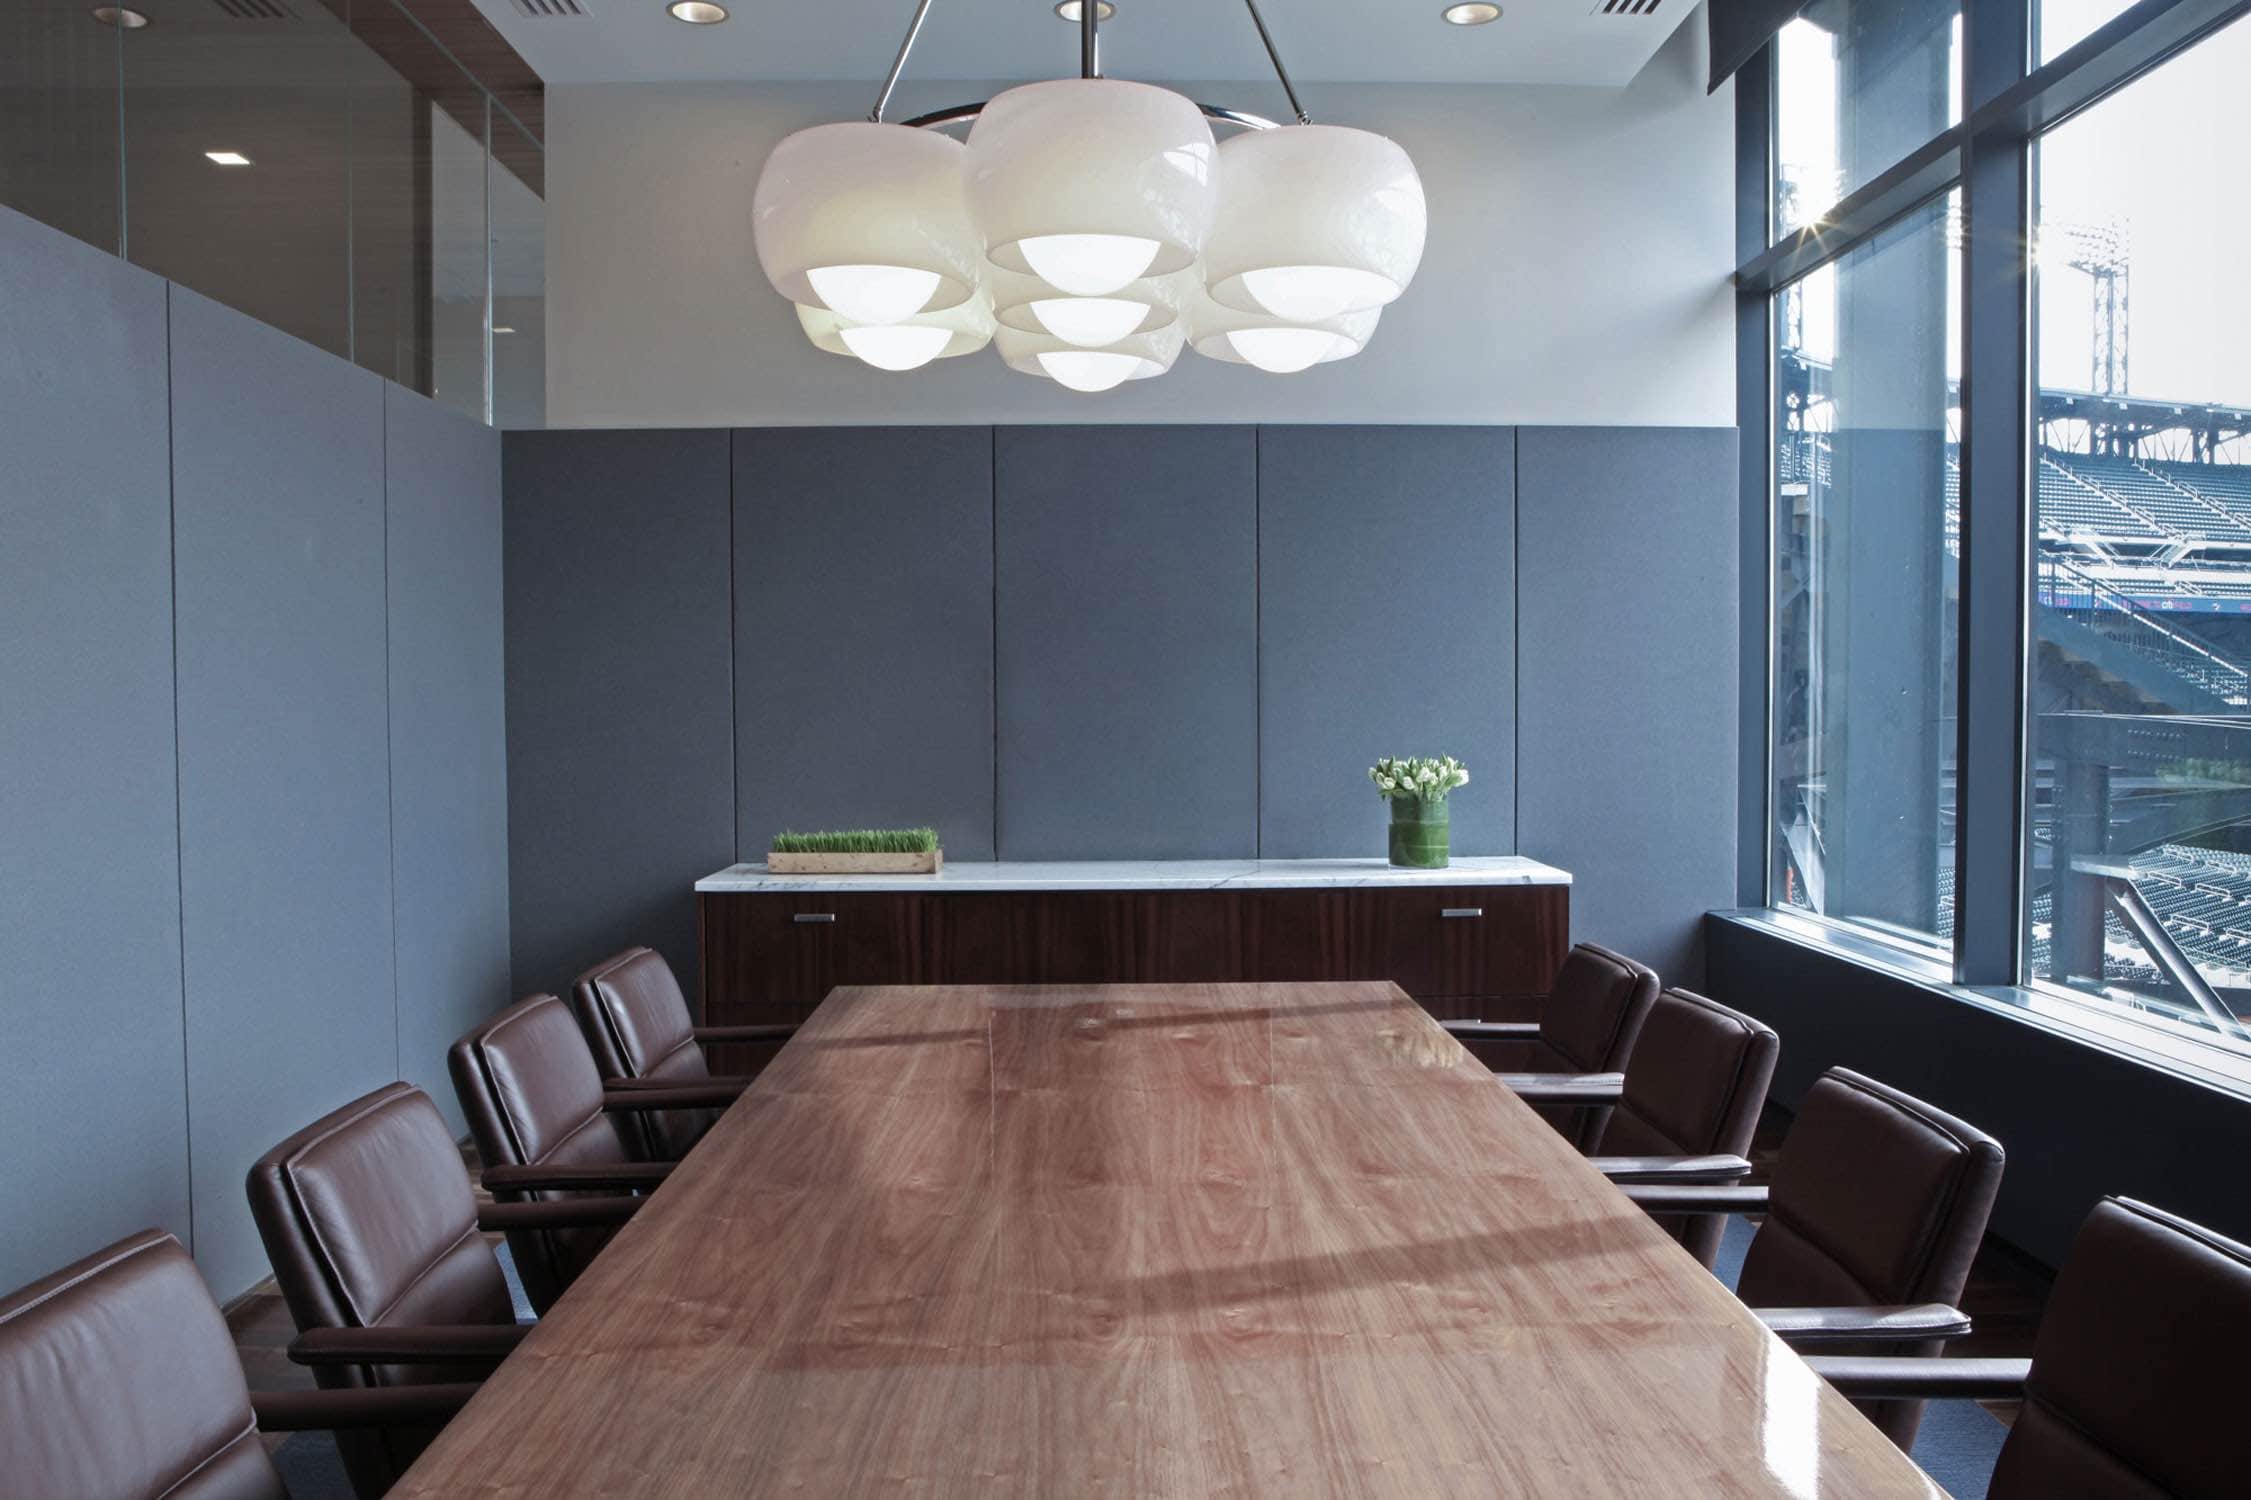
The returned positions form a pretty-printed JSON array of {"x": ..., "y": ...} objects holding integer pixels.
[
  {"x": 2136, "y": 1384},
  {"x": 370, "y": 1221},
  {"x": 533, "y": 1097},
  {"x": 1877, "y": 1199},
  {"x": 1695, "y": 1087},
  {"x": 637, "y": 1025},
  {"x": 118, "y": 1379},
  {"x": 1594, "y": 1013}
]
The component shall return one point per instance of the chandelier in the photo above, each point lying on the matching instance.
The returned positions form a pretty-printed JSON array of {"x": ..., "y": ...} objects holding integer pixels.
[{"x": 1089, "y": 229}]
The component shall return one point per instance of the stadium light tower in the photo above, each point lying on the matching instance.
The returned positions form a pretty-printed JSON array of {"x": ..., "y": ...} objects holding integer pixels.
[{"x": 2103, "y": 251}]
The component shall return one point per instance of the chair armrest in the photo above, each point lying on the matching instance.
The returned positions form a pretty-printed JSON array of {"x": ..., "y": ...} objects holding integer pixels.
[
  {"x": 1681, "y": 1169},
  {"x": 376, "y": 1406},
  {"x": 736, "y": 1081},
  {"x": 408, "y": 1344},
  {"x": 711, "y": 1034},
  {"x": 1839, "y": 1325},
  {"x": 569, "y": 1213},
  {"x": 1493, "y": 1031},
  {"x": 674, "y": 1096},
  {"x": 1870, "y": 1377},
  {"x": 1698, "y": 1198},
  {"x": 1565, "y": 1088},
  {"x": 623, "y": 1174}
]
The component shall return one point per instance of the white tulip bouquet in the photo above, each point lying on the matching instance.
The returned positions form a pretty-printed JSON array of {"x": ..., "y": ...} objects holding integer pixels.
[{"x": 1418, "y": 776}]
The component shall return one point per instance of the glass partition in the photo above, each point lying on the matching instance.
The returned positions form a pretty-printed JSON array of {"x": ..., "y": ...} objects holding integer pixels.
[
  {"x": 320, "y": 166},
  {"x": 516, "y": 172}
]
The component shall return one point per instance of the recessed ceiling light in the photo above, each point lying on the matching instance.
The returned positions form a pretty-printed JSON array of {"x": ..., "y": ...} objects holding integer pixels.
[
  {"x": 1471, "y": 15},
  {"x": 697, "y": 12},
  {"x": 1069, "y": 10},
  {"x": 228, "y": 158},
  {"x": 120, "y": 17}
]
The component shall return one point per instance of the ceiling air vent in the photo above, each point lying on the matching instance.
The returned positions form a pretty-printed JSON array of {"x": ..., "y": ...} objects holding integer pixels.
[
  {"x": 1627, "y": 8},
  {"x": 256, "y": 10},
  {"x": 546, "y": 10}
]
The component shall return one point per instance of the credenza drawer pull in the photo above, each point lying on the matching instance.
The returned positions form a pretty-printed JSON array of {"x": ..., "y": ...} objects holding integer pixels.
[
  {"x": 812, "y": 916},
  {"x": 1463, "y": 911}
]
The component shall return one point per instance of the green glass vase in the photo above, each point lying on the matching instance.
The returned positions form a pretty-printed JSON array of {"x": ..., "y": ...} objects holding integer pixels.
[{"x": 1419, "y": 833}]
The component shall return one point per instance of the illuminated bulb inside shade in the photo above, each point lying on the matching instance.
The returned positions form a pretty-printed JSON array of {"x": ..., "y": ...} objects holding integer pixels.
[
  {"x": 1283, "y": 351},
  {"x": 1088, "y": 265},
  {"x": 1089, "y": 322},
  {"x": 1314, "y": 294},
  {"x": 894, "y": 347},
  {"x": 873, "y": 295},
  {"x": 1088, "y": 370}
]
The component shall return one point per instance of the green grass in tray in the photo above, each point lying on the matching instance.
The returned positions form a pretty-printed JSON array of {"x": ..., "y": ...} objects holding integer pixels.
[{"x": 859, "y": 841}]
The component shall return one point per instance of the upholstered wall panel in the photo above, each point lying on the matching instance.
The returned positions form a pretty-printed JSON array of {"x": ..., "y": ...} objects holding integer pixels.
[
  {"x": 621, "y": 784},
  {"x": 1127, "y": 663},
  {"x": 864, "y": 632},
  {"x": 1387, "y": 626},
  {"x": 285, "y": 857},
  {"x": 1627, "y": 655},
  {"x": 449, "y": 751},
  {"x": 93, "y": 1121}
]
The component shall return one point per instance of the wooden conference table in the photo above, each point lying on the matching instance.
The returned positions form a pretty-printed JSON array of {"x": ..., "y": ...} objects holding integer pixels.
[{"x": 1190, "y": 1240}]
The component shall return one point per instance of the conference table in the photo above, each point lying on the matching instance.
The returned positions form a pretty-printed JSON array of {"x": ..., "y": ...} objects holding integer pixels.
[{"x": 1162, "y": 1240}]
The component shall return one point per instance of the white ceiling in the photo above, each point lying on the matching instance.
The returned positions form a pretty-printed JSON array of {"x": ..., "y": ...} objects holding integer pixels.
[{"x": 1376, "y": 41}]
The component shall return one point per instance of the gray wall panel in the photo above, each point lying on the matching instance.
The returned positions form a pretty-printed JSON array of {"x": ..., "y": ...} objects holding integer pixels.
[
  {"x": 449, "y": 750},
  {"x": 864, "y": 632},
  {"x": 620, "y": 701},
  {"x": 284, "y": 781},
  {"x": 1626, "y": 776},
  {"x": 93, "y": 1121},
  {"x": 1387, "y": 625},
  {"x": 1127, "y": 642}
]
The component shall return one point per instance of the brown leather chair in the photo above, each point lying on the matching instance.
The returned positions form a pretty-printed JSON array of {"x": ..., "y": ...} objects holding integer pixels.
[
  {"x": 637, "y": 1025},
  {"x": 1593, "y": 1015},
  {"x": 1688, "y": 1106},
  {"x": 374, "y": 1234},
  {"x": 1877, "y": 1208},
  {"x": 549, "y": 1132},
  {"x": 119, "y": 1380},
  {"x": 2133, "y": 1388}
]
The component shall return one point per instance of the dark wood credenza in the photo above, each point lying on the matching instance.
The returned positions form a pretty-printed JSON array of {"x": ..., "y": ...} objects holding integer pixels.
[{"x": 1481, "y": 939}]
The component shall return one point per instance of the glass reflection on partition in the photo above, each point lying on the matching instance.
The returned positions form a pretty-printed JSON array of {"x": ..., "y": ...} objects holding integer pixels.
[
  {"x": 1858, "y": 84},
  {"x": 1867, "y": 383}
]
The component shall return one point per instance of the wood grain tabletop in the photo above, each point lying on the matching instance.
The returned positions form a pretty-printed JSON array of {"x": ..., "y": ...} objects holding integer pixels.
[{"x": 1146, "y": 1240}]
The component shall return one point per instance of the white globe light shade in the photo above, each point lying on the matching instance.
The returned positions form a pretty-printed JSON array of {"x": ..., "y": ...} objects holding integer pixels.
[
  {"x": 894, "y": 346},
  {"x": 965, "y": 330},
  {"x": 1091, "y": 183},
  {"x": 867, "y": 221},
  {"x": 1272, "y": 344},
  {"x": 1316, "y": 221},
  {"x": 1140, "y": 357},
  {"x": 1030, "y": 305}
]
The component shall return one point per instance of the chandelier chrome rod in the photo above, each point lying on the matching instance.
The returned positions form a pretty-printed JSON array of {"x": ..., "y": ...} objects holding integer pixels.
[
  {"x": 899, "y": 63},
  {"x": 1275, "y": 58},
  {"x": 962, "y": 114},
  {"x": 1090, "y": 41}
]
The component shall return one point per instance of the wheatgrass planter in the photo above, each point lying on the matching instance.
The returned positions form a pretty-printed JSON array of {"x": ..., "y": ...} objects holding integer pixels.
[{"x": 928, "y": 862}]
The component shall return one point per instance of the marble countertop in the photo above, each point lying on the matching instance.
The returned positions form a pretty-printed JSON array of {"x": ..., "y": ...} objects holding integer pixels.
[{"x": 1153, "y": 875}]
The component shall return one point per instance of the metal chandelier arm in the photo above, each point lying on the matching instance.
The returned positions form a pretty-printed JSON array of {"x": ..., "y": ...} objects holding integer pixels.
[
  {"x": 899, "y": 63},
  {"x": 1090, "y": 66},
  {"x": 1275, "y": 57}
]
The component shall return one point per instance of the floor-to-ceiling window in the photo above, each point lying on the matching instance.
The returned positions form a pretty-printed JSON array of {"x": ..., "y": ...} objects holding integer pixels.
[{"x": 2007, "y": 381}]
